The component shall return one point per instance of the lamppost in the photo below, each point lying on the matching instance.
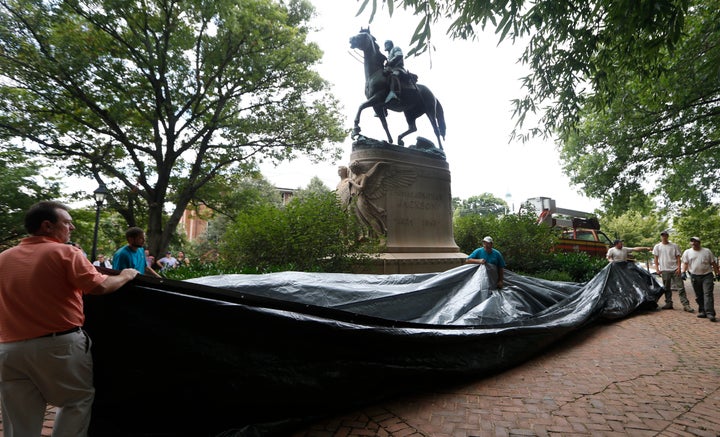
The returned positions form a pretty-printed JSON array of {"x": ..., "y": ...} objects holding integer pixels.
[{"x": 99, "y": 194}]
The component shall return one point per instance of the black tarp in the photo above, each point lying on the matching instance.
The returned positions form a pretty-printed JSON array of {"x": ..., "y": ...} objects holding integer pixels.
[{"x": 256, "y": 354}]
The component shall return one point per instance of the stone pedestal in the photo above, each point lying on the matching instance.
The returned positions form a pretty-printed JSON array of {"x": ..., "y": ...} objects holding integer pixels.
[{"x": 411, "y": 188}]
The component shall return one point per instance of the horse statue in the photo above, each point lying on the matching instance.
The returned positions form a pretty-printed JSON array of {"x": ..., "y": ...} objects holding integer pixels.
[{"x": 415, "y": 99}]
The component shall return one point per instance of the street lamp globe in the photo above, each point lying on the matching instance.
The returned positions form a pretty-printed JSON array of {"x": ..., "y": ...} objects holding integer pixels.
[{"x": 100, "y": 194}]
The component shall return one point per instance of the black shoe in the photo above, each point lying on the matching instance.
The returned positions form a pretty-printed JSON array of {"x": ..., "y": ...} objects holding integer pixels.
[
  {"x": 702, "y": 316},
  {"x": 712, "y": 318}
]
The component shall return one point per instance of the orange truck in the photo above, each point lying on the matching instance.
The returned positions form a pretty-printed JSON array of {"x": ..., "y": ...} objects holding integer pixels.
[{"x": 579, "y": 231}]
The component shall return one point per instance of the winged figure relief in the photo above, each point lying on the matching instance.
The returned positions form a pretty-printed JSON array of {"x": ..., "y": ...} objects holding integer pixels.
[{"x": 368, "y": 186}]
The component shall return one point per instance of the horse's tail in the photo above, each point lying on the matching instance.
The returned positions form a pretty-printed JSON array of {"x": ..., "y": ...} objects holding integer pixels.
[{"x": 440, "y": 117}]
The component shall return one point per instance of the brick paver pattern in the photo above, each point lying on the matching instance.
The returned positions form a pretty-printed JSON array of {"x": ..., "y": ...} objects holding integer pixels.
[{"x": 653, "y": 374}]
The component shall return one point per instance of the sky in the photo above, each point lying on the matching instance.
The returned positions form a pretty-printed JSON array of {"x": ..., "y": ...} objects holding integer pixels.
[{"x": 475, "y": 82}]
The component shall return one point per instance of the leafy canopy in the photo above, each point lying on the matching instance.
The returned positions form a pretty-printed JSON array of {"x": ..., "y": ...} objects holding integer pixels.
[
  {"x": 662, "y": 132},
  {"x": 636, "y": 229},
  {"x": 702, "y": 222},
  {"x": 483, "y": 204},
  {"x": 221, "y": 200},
  {"x": 20, "y": 187},
  {"x": 157, "y": 98},
  {"x": 573, "y": 47}
]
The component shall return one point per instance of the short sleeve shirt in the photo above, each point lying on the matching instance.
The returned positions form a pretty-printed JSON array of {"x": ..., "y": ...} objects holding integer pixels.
[
  {"x": 616, "y": 254},
  {"x": 699, "y": 261},
  {"x": 494, "y": 257},
  {"x": 126, "y": 258},
  {"x": 168, "y": 262},
  {"x": 667, "y": 256},
  {"x": 42, "y": 282}
]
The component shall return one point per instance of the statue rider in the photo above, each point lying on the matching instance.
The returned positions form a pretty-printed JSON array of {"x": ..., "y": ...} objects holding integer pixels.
[{"x": 395, "y": 66}]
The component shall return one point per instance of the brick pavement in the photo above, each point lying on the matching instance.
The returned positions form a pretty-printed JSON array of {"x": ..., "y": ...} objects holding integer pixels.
[{"x": 653, "y": 374}]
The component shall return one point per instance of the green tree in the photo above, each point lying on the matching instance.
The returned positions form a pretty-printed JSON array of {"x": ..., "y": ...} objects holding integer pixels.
[
  {"x": 157, "y": 98},
  {"x": 315, "y": 187},
  {"x": 310, "y": 234},
  {"x": 636, "y": 229},
  {"x": 231, "y": 195},
  {"x": 469, "y": 230},
  {"x": 663, "y": 127},
  {"x": 222, "y": 200},
  {"x": 635, "y": 201},
  {"x": 701, "y": 222},
  {"x": 525, "y": 246},
  {"x": 21, "y": 185},
  {"x": 574, "y": 47},
  {"x": 483, "y": 204}
]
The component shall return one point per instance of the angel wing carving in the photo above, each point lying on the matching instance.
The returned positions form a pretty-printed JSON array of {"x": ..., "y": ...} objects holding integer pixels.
[
  {"x": 368, "y": 186},
  {"x": 384, "y": 176}
]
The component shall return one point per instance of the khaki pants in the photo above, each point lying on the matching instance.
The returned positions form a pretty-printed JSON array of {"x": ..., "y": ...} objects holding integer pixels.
[
  {"x": 47, "y": 370},
  {"x": 672, "y": 281}
]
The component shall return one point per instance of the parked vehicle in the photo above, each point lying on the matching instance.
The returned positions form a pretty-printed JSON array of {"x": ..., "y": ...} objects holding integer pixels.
[{"x": 579, "y": 231}]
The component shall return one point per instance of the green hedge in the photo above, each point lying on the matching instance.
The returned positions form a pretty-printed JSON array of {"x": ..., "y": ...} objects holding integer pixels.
[{"x": 314, "y": 233}]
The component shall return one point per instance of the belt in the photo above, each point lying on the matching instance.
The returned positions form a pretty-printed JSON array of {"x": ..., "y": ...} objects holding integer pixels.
[
  {"x": 693, "y": 275},
  {"x": 56, "y": 334}
]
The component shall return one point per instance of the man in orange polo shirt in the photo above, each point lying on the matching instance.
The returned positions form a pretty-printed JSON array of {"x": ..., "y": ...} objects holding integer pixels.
[{"x": 44, "y": 353}]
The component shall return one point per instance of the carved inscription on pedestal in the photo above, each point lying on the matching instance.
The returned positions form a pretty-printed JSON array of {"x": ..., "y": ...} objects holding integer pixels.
[{"x": 403, "y": 197}]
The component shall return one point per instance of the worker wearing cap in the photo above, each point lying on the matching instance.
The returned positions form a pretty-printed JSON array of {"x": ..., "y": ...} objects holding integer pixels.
[
  {"x": 667, "y": 265},
  {"x": 488, "y": 255},
  {"x": 701, "y": 264},
  {"x": 618, "y": 253}
]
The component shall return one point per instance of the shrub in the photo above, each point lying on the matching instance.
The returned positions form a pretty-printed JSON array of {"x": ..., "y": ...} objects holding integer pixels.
[
  {"x": 469, "y": 230},
  {"x": 580, "y": 266},
  {"x": 314, "y": 233},
  {"x": 525, "y": 246}
]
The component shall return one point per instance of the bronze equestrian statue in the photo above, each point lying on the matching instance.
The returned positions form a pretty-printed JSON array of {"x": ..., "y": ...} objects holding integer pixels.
[{"x": 414, "y": 99}]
